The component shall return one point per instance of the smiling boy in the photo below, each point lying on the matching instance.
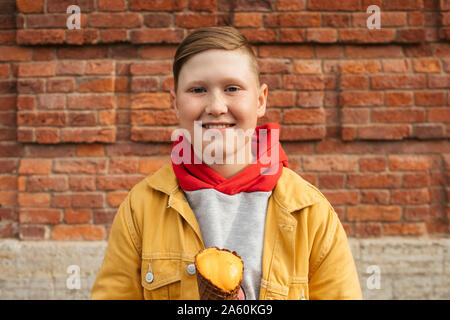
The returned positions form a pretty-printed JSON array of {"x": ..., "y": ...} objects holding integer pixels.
[{"x": 287, "y": 233}]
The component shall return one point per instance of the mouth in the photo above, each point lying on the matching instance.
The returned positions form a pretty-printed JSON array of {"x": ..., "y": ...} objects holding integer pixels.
[{"x": 219, "y": 126}]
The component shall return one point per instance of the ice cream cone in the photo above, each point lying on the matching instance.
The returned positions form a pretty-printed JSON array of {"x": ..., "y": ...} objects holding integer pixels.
[{"x": 214, "y": 289}]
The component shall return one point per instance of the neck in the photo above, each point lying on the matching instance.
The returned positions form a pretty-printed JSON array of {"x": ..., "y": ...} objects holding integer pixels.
[{"x": 229, "y": 170}]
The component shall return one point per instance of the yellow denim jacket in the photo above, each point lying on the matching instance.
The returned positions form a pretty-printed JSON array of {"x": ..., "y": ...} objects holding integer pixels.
[{"x": 155, "y": 236}]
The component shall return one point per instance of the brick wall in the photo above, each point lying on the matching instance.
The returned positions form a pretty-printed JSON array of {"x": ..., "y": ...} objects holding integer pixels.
[{"x": 86, "y": 114}]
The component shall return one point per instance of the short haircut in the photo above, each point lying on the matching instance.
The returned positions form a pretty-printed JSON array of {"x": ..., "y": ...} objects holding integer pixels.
[{"x": 202, "y": 39}]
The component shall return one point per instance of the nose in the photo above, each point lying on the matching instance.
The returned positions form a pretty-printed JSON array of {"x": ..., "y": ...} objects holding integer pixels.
[{"x": 216, "y": 104}]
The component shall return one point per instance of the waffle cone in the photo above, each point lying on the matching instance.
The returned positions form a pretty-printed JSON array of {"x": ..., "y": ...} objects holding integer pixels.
[{"x": 208, "y": 291}]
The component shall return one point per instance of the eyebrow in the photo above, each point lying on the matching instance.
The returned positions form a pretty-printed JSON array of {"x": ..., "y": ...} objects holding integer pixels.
[{"x": 201, "y": 82}]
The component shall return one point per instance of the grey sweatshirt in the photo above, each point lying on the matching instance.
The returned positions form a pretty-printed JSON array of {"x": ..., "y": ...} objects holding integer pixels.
[{"x": 235, "y": 222}]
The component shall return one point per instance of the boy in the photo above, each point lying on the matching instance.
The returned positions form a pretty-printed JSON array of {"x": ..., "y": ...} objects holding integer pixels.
[{"x": 225, "y": 194}]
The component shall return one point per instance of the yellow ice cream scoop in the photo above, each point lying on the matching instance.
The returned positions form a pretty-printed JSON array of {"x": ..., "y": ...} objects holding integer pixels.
[{"x": 220, "y": 273}]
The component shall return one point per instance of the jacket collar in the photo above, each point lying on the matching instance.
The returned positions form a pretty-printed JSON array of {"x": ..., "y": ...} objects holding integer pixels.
[{"x": 288, "y": 185}]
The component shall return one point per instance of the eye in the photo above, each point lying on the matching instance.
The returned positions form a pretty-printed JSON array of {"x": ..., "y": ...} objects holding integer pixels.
[
  {"x": 194, "y": 90},
  {"x": 237, "y": 89}
]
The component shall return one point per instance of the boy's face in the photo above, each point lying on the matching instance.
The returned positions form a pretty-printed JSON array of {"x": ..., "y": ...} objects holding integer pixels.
[{"x": 218, "y": 86}]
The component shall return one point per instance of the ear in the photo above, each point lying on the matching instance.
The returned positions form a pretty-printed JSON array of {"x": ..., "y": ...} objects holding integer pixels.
[{"x": 262, "y": 100}]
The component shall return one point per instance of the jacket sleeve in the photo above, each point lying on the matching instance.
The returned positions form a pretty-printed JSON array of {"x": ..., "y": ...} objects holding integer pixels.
[
  {"x": 119, "y": 276},
  {"x": 332, "y": 274}
]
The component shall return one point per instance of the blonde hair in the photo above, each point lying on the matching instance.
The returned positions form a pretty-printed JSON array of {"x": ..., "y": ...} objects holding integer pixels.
[{"x": 202, "y": 39}]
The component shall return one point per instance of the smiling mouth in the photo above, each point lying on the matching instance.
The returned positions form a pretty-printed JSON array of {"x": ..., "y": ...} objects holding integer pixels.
[{"x": 215, "y": 126}]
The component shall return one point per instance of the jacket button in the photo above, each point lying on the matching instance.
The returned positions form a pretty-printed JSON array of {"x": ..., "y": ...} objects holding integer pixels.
[
  {"x": 149, "y": 277},
  {"x": 191, "y": 269}
]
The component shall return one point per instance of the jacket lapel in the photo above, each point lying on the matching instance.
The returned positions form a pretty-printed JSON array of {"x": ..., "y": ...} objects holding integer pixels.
[{"x": 165, "y": 181}]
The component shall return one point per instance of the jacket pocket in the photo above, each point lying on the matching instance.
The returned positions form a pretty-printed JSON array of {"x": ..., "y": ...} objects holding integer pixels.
[
  {"x": 161, "y": 279},
  {"x": 299, "y": 289}
]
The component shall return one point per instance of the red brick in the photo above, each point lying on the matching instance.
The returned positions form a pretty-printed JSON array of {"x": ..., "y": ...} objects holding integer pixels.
[
  {"x": 41, "y": 69},
  {"x": 195, "y": 20},
  {"x": 428, "y": 131},
  {"x": 104, "y": 67},
  {"x": 398, "y": 115},
  {"x": 156, "y": 36},
  {"x": 77, "y": 216},
  {"x": 404, "y": 98},
  {"x": 354, "y": 116},
  {"x": 330, "y": 163},
  {"x": 292, "y": 35},
  {"x": 375, "y": 196},
  {"x": 396, "y": 65},
  {"x": 387, "y": 132},
  {"x": 40, "y": 216},
  {"x": 412, "y": 196},
  {"x": 32, "y": 232},
  {"x": 307, "y": 67},
  {"x": 114, "y": 199},
  {"x": 57, "y": 119},
  {"x": 84, "y": 53},
  {"x": 154, "y": 134},
  {"x": 398, "y": 82},
  {"x": 439, "y": 114},
  {"x": 374, "y": 213},
  {"x": 366, "y": 35},
  {"x": 51, "y": 101},
  {"x": 426, "y": 65},
  {"x": 88, "y": 166},
  {"x": 65, "y": 85},
  {"x": 331, "y": 181},
  {"x": 253, "y": 36},
  {"x": 30, "y": 6},
  {"x": 416, "y": 180},
  {"x": 361, "y": 99},
  {"x": 48, "y": 21},
  {"x": 48, "y": 36},
  {"x": 410, "y": 35},
  {"x": 78, "y": 232},
  {"x": 154, "y": 67},
  {"x": 388, "y": 19},
  {"x": 47, "y": 183},
  {"x": 94, "y": 101},
  {"x": 281, "y": 99},
  {"x": 310, "y": 99},
  {"x": 62, "y": 5},
  {"x": 248, "y": 19},
  {"x": 372, "y": 165},
  {"x": 367, "y": 229},
  {"x": 409, "y": 163},
  {"x": 341, "y": 197},
  {"x": 47, "y": 136},
  {"x": 404, "y": 228},
  {"x": 115, "y": 20},
  {"x": 35, "y": 166},
  {"x": 96, "y": 85},
  {"x": 438, "y": 81},
  {"x": 299, "y": 116},
  {"x": 293, "y": 133},
  {"x": 366, "y": 51},
  {"x": 354, "y": 82},
  {"x": 70, "y": 67},
  {"x": 352, "y": 66},
  {"x": 430, "y": 98},
  {"x": 114, "y": 35},
  {"x": 111, "y": 5},
  {"x": 88, "y": 135},
  {"x": 290, "y": 5},
  {"x": 300, "y": 82},
  {"x": 336, "y": 20},
  {"x": 12, "y": 53},
  {"x": 344, "y": 5},
  {"x": 82, "y": 183},
  {"x": 374, "y": 180},
  {"x": 26, "y": 102},
  {"x": 38, "y": 200},
  {"x": 107, "y": 118},
  {"x": 286, "y": 51},
  {"x": 82, "y": 119},
  {"x": 83, "y": 36},
  {"x": 155, "y": 5},
  {"x": 104, "y": 216}
]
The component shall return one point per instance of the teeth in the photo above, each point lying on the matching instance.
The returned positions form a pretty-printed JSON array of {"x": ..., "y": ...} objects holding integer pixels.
[{"x": 218, "y": 126}]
